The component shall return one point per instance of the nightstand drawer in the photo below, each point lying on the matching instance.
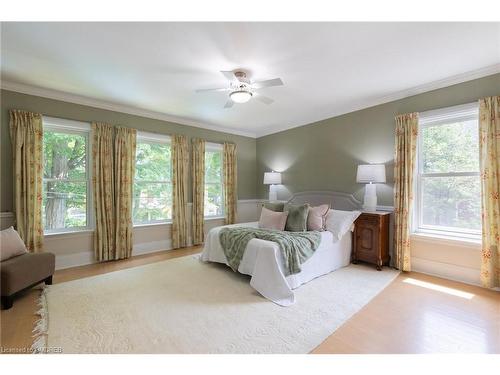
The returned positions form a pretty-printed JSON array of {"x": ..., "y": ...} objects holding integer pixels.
[{"x": 367, "y": 219}]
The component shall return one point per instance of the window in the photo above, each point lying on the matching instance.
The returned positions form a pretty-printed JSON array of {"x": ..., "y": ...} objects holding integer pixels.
[
  {"x": 66, "y": 180},
  {"x": 448, "y": 200},
  {"x": 152, "y": 199},
  {"x": 214, "y": 199}
]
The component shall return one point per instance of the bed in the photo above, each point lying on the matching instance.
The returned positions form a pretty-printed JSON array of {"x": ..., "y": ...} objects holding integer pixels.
[{"x": 263, "y": 260}]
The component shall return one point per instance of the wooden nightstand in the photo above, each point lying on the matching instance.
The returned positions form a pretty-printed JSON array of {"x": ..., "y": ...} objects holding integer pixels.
[{"x": 371, "y": 238}]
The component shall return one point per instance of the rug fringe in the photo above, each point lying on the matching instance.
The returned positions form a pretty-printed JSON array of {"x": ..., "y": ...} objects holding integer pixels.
[{"x": 42, "y": 324}]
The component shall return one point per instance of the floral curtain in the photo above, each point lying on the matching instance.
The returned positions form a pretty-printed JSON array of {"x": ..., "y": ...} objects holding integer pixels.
[
  {"x": 180, "y": 164},
  {"x": 125, "y": 146},
  {"x": 489, "y": 156},
  {"x": 26, "y": 134},
  {"x": 103, "y": 189},
  {"x": 198, "y": 168},
  {"x": 230, "y": 183},
  {"x": 404, "y": 169}
]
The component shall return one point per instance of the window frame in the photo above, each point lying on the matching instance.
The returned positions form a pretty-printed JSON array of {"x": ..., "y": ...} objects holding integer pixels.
[
  {"x": 215, "y": 147},
  {"x": 146, "y": 137},
  {"x": 434, "y": 118},
  {"x": 84, "y": 129}
]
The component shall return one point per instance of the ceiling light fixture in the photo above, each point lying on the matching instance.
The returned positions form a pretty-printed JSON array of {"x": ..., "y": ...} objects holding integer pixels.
[{"x": 240, "y": 96}]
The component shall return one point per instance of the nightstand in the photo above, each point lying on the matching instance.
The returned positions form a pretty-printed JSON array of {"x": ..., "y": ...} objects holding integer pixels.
[{"x": 371, "y": 238}]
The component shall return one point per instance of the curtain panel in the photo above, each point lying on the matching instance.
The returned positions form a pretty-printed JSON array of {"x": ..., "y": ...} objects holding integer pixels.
[
  {"x": 198, "y": 168},
  {"x": 103, "y": 191},
  {"x": 230, "y": 183},
  {"x": 113, "y": 168},
  {"x": 26, "y": 134},
  {"x": 125, "y": 148},
  {"x": 489, "y": 161},
  {"x": 180, "y": 165},
  {"x": 404, "y": 171}
]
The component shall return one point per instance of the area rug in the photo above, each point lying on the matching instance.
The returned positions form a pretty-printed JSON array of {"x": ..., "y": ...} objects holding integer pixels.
[{"x": 185, "y": 306}]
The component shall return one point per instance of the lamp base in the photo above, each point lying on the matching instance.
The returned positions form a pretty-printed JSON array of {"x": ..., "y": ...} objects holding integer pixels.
[
  {"x": 273, "y": 195},
  {"x": 370, "y": 199}
]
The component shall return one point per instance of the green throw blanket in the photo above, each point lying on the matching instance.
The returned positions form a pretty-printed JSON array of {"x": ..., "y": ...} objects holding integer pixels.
[{"x": 296, "y": 247}]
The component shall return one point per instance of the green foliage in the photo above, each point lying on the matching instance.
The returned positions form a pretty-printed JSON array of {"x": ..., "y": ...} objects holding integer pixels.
[
  {"x": 451, "y": 201},
  {"x": 65, "y": 184},
  {"x": 451, "y": 148},
  {"x": 152, "y": 197},
  {"x": 64, "y": 191},
  {"x": 213, "y": 184}
]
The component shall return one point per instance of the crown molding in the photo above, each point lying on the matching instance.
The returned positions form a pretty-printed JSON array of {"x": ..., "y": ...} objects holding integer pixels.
[
  {"x": 356, "y": 106},
  {"x": 110, "y": 106},
  {"x": 363, "y": 104}
]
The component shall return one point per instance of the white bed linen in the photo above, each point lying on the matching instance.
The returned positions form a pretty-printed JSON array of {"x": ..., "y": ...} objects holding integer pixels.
[{"x": 263, "y": 261}]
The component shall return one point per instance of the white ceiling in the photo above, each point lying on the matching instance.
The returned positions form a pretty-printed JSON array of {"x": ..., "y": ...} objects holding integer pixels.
[{"x": 327, "y": 68}]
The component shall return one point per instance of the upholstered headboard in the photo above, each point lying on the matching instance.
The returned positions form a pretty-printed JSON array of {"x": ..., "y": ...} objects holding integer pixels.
[{"x": 337, "y": 200}]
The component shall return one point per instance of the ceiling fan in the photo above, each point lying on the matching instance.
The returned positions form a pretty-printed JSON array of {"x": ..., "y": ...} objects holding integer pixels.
[{"x": 241, "y": 89}]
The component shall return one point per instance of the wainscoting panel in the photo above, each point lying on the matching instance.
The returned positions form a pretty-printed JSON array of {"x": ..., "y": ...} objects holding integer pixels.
[{"x": 6, "y": 220}]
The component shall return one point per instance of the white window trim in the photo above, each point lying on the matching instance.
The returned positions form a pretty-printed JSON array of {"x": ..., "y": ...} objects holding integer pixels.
[
  {"x": 147, "y": 137},
  {"x": 82, "y": 128},
  {"x": 216, "y": 147},
  {"x": 153, "y": 137},
  {"x": 435, "y": 118},
  {"x": 210, "y": 146}
]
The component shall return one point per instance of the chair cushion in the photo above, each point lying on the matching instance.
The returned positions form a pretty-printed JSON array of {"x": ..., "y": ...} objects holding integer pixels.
[{"x": 24, "y": 270}]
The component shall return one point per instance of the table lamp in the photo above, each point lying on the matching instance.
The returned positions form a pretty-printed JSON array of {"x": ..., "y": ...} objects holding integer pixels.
[
  {"x": 272, "y": 179},
  {"x": 370, "y": 174}
]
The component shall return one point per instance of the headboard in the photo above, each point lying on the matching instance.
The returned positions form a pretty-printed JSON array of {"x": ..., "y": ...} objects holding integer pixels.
[{"x": 337, "y": 200}]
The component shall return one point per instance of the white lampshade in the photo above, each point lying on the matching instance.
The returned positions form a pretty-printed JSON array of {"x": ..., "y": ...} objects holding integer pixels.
[
  {"x": 272, "y": 178},
  {"x": 368, "y": 173}
]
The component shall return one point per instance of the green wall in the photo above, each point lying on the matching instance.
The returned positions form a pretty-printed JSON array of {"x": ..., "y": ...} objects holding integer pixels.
[
  {"x": 12, "y": 100},
  {"x": 324, "y": 155},
  {"x": 319, "y": 156}
]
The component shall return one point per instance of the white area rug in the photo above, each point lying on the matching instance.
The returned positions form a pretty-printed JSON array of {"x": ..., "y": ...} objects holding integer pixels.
[{"x": 185, "y": 306}]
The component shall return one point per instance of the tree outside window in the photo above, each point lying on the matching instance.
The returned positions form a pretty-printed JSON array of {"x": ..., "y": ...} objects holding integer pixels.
[{"x": 65, "y": 180}]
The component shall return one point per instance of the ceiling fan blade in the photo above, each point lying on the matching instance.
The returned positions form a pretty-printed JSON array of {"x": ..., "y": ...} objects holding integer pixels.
[
  {"x": 267, "y": 83},
  {"x": 228, "y": 104},
  {"x": 229, "y": 75},
  {"x": 213, "y": 90},
  {"x": 263, "y": 99}
]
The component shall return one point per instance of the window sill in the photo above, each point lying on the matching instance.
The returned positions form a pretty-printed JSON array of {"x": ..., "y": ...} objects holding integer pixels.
[
  {"x": 208, "y": 218},
  {"x": 145, "y": 225},
  {"x": 73, "y": 233},
  {"x": 470, "y": 242},
  {"x": 86, "y": 232}
]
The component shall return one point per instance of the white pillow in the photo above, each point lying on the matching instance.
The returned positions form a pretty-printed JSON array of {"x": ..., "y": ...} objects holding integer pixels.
[
  {"x": 11, "y": 244},
  {"x": 340, "y": 222},
  {"x": 272, "y": 220}
]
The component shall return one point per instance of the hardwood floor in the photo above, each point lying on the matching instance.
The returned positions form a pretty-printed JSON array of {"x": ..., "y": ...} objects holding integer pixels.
[{"x": 415, "y": 314}]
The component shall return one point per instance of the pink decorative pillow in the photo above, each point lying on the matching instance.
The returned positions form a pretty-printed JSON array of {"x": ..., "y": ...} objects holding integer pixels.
[
  {"x": 11, "y": 244},
  {"x": 316, "y": 220},
  {"x": 272, "y": 220}
]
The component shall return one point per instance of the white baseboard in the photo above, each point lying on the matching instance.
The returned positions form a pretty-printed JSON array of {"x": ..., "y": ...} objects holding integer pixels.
[
  {"x": 446, "y": 270},
  {"x": 74, "y": 260},
  {"x": 87, "y": 257},
  {"x": 151, "y": 247}
]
